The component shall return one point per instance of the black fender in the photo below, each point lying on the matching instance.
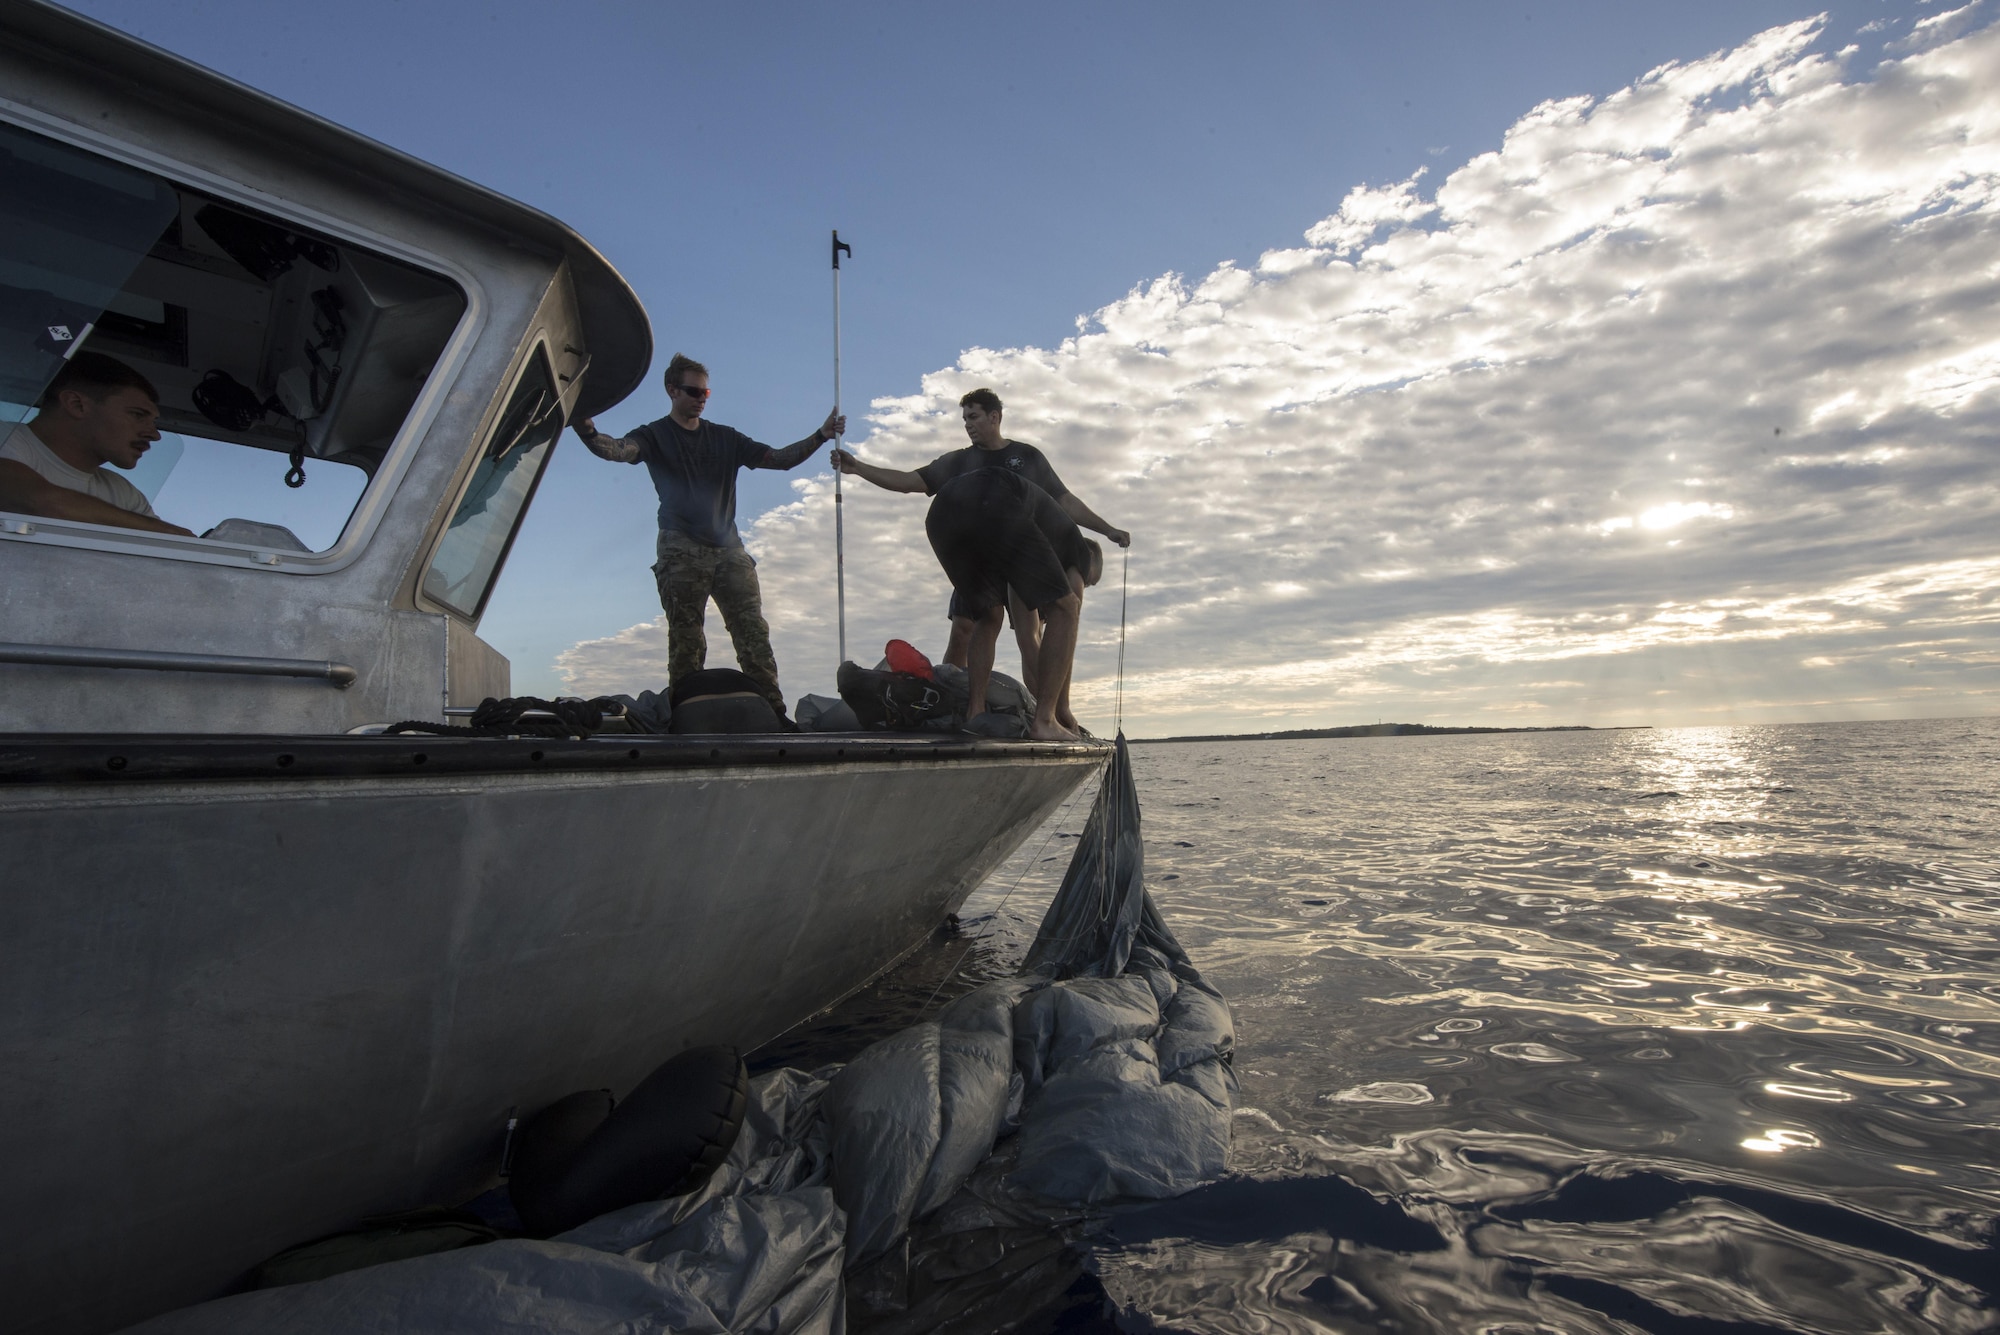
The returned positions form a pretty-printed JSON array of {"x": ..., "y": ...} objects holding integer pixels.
[
  {"x": 544, "y": 1146},
  {"x": 666, "y": 1138}
]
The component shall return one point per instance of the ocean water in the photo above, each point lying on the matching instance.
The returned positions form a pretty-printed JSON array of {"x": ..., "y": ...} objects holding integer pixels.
[{"x": 1670, "y": 1030}]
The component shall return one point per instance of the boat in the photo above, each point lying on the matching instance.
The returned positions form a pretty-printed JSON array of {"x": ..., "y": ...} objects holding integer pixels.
[{"x": 266, "y": 969}]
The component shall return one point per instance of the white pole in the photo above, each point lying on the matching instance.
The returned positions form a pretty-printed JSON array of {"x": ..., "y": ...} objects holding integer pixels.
[{"x": 840, "y": 442}]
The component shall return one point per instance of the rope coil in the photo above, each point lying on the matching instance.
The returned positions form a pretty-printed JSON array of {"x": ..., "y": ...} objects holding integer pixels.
[{"x": 568, "y": 717}]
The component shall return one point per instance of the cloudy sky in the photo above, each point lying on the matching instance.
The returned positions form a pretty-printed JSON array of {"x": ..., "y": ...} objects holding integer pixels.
[{"x": 1660, "y": 386}]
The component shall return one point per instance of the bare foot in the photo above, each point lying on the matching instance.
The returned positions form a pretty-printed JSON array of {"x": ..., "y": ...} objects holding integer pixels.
[
  {"x": 1069, "y": 721},
  {"x": 1049, "y": 732}
]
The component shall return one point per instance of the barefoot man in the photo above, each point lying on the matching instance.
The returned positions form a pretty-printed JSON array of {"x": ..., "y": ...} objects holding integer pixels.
[
  {"x": 995, "y": 529},
  {"x": 982, "y": 412}
]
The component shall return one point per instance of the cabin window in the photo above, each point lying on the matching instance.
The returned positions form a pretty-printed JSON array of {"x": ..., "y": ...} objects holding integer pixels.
[
  {"x": 503, "y": 482},
  {"x": 286, "y": 361}
]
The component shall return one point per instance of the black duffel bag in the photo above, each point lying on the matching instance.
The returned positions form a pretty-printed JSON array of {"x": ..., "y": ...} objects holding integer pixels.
[
  {"x": 722, "y": 700},
  {"x": 897, "y": 701}
]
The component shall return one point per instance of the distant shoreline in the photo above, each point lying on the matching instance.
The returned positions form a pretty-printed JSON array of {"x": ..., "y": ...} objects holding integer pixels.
[{"x": 1373, "y": 730}]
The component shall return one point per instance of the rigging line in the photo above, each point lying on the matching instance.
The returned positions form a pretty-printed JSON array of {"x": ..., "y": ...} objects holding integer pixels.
[
  {"x": 1117, "y": 730},
  {"x": 1104, "y": 839},
  {"x": 1124, "y": 589},
  {"x": 1033, "y": 862}
]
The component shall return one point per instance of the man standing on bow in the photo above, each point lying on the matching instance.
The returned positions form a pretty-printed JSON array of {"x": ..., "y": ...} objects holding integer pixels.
[
  {"x": 1004, "y": 526},
  {"x": 693, "y": 463},
  {"x": 981, "y": 410}
]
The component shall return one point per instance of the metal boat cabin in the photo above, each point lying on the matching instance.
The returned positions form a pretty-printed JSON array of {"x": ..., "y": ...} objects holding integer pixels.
[{"x": 400, "y": 346}]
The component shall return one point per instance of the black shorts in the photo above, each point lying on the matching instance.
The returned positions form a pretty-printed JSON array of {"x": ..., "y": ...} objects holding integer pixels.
[
  {"x": 991, "y": 529},
  {"x": 957, "y": 610}
]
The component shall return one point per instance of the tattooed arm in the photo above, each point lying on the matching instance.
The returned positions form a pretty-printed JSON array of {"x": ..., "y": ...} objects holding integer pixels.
[{"x": 618, "y": 449}]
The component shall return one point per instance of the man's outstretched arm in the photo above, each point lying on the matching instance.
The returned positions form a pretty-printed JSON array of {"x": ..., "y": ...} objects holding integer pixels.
[
  {"x": 1086, "y": 517},
  {"x": 889, "y": 479},
  {"x": 618, "y": 449},
  {"x": 26, "y": 492},
  {"x": 801, "y": 450}
]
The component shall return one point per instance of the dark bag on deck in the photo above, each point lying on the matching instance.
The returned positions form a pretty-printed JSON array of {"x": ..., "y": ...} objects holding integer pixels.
[
  {"x": 722, "y": 700},
  {"x": 897, "y": 701},
  {"x": 714, "y": 681}
]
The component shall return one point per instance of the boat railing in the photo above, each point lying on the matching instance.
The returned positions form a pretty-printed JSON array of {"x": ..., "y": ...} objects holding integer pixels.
[{"x": 154, "y": 660}]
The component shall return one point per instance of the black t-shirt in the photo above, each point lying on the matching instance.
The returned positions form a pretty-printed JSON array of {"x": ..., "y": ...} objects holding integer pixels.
[
  {"x": 1024, "y": 461},
  {"x": 695, "y": 474}
]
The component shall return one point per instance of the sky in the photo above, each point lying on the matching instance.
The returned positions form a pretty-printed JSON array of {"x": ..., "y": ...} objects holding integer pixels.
[{"x": 1521, "y": 364}]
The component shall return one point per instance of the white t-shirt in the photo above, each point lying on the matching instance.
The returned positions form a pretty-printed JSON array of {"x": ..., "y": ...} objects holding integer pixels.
[{"x": 23, "y": 446}]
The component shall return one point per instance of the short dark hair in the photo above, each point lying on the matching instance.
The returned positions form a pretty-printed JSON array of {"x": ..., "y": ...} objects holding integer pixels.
[
  {"x": 678, "y": 368},
  {"x": 98, "y": 376},
  {"x": 985, "y": 398}
]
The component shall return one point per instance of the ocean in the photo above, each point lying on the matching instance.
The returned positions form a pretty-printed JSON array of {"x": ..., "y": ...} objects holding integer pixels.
[{"x": 1668, "y": 1030}]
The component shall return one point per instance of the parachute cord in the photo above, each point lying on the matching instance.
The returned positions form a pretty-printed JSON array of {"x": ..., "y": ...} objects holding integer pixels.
[
  {"x": 1117, "y": 730},
  {"x": 1124, "y": 589}
]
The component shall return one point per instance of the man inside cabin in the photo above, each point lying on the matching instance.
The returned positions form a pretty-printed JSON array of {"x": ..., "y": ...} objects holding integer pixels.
[
  {"x": 97, "y": 411},
  {"x": 1003, "y": 521},
  {"x": 693, "y": 463}
]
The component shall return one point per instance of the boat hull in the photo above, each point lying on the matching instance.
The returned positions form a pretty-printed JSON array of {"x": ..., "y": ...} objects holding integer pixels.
[{"x": 242, "y": 1013}]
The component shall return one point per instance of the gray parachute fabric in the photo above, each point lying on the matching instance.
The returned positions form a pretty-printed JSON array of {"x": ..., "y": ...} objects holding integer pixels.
[
  {"x": 1124, "y": 1049},
  {"x": 913, "y": 1115},
  {"x": 759, "y": 1249},
  {"x": 1110, "y": 1041},
  {"x": 1090, "y": 926},
  {"x": 1120, "y": 1089}
]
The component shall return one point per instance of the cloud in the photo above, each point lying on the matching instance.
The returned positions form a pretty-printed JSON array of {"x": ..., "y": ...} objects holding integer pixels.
[
  {"x": 1675, "y": 391},
  {"x": 1366, "y": 213},
  {"x": 1937, "y": 28}
]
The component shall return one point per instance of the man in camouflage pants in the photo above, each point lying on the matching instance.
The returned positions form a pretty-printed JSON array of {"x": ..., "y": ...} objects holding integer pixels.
[{"x": 693, "y": 464}]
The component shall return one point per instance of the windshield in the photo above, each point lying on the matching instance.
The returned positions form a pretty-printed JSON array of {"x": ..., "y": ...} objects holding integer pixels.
[{"x": 482, "y": 528}]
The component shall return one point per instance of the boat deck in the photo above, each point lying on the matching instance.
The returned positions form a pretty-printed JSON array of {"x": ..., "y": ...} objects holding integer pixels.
[{"x": 118, "y": 758}]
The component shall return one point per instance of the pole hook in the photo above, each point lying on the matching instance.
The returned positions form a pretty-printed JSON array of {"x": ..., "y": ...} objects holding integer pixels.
[{"x": 839, "y": 507}]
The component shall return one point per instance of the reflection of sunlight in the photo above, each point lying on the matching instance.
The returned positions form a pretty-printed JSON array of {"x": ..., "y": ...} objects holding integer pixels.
[
  {"x": 1817, "y": 1093},
  {"x": 1890, "y": 1081},
  {"x": 1710, "y": 775},
  {"x": 1779, "y": 1139},
  {"x": 1678, "y": 887},
  {"x": 1701, "y": 1001}
]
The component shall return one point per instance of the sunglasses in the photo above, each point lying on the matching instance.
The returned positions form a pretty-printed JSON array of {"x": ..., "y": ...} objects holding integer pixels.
[{"x": 692, "y": 392}]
